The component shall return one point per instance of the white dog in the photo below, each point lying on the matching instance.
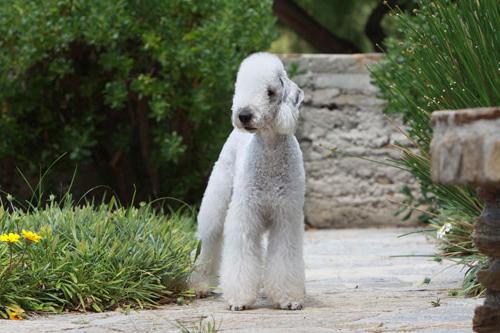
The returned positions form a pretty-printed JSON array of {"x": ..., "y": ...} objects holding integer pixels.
[{"x": 256, "y": 186}]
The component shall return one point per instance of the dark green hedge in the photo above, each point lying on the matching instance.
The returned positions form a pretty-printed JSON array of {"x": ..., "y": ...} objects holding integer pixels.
[{"x": 135, "y": 92}]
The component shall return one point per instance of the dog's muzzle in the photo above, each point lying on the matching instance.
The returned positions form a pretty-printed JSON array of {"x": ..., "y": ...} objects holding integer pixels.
[{"x": 245, "y": 117}]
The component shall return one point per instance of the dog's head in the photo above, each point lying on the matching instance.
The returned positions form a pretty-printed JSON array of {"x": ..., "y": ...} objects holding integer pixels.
[{"x": 264, "y": 97}]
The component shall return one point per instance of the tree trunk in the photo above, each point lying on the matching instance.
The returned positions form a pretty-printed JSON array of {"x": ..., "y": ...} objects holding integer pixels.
[{"x": 312, "y": 31}]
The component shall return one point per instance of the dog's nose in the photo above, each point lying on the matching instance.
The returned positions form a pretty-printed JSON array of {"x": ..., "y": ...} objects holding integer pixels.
[{"x": 245, "y": 116}]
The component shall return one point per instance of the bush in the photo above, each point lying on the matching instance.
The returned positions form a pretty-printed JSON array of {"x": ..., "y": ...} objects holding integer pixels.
[
  {"x": 95, "y": 257},
  {"x": 446, "y": 57},
  {"x": 136, "y": 92}
]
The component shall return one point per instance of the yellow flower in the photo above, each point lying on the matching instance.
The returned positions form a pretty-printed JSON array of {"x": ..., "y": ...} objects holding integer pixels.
[
  {"x": 15, "y": 312},
  {"x": 31, "y": 236},
  {"x": 9, "y": 238},
  {"x": 13, "y": 315}
]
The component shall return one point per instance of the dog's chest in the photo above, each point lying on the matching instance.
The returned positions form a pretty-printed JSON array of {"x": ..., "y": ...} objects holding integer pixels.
[
  {"x": 269, "y": 183},
  {"x": 270, "y": 175}
]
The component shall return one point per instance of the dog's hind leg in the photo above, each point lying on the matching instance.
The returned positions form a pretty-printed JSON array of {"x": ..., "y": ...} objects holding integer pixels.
[{"x": 211, "y": 218}]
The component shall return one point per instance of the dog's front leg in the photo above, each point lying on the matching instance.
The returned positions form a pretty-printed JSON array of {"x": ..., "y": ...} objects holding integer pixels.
[
  {"x": 211, "y": 219},
  {"x": 241, "y": 259},
  {"x": 284, "y": 277}
]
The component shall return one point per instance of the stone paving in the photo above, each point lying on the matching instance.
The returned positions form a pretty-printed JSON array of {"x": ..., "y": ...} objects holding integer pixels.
[{"x": 358, "y": 280}]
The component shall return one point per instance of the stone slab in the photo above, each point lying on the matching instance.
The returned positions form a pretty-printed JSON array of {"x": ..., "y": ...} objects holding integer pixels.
[
  {"x": 357, "y": 281},
  {"x": 465, "y": 147}
]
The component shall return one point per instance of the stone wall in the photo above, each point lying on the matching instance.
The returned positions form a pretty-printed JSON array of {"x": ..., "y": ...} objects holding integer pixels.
[{"x": 341, "y": 110}]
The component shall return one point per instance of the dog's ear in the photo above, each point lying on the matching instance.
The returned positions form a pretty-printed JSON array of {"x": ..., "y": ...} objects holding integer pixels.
[{"x": 288, "y": 113}]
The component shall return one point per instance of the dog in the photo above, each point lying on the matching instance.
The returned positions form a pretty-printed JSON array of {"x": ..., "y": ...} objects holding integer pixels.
[{"x": 256, "y": 188}]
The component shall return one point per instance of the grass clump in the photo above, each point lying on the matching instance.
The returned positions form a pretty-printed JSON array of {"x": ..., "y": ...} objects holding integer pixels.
[
  {"x": 92, "y": 257},
  {"x": 203, "y": 325},
  {"x": 445, "y": 57}
]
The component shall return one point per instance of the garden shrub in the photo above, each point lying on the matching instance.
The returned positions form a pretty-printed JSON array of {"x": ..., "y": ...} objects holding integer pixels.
[
  {"x": 93, "y": 257},
  {"x": 136, "y": 92},
  {"x": 445, "y": 57}
]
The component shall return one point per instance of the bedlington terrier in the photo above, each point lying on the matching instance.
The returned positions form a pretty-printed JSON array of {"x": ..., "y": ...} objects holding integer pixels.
[{"x": 256, "y": 187}]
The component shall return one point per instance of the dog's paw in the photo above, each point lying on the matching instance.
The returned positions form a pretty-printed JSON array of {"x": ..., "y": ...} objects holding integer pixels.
[
  {"x": 290, "y": 306},
  {"x": 237, "y": 307}
]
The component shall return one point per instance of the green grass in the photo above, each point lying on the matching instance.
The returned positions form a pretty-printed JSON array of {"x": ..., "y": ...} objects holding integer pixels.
[
  {"x": 93, "y": 257},
  {"x": 446, "y": 57}
]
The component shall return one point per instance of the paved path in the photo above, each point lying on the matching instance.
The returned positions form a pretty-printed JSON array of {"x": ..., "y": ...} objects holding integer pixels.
[{"x": 354, "y": 284}]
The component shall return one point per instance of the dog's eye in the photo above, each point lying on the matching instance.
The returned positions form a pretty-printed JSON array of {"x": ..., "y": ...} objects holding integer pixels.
[{"x": 270, "y": 93}]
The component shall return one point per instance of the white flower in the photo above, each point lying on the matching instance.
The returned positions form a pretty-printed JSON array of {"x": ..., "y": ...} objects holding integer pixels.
[{"x": 445, "y": 229}]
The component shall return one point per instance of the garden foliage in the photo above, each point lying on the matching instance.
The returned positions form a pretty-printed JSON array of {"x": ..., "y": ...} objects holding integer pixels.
[
  {"x": 136, "y": 92},
  {"x": 445, "y": 57},
  {"x": 93, "y": 257}
]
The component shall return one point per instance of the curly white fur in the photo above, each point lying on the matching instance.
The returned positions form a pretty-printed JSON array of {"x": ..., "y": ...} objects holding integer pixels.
[{"x": 256, "y": 187}]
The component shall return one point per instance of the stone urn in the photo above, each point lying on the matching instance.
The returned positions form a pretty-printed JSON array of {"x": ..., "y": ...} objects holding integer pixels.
[{"x": 465, "y": 150}]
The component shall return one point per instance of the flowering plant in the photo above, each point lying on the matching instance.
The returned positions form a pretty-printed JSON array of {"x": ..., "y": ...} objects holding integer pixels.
[
  {"x": 16, "y": 259},
  {"x": 91, "y": 257}
]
